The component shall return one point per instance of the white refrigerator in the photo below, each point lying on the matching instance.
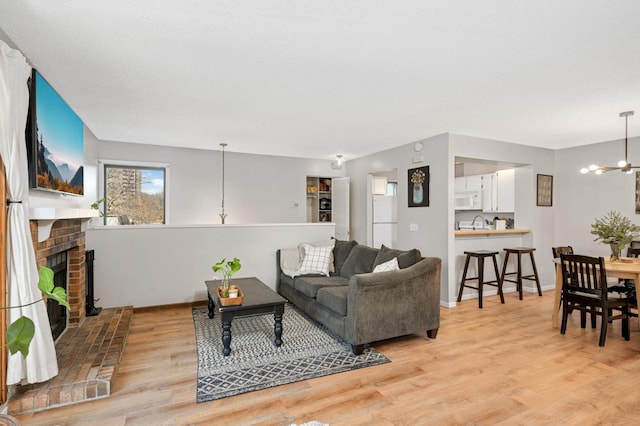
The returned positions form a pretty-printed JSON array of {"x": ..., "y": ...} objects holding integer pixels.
[{"x": 385, "y": 222}]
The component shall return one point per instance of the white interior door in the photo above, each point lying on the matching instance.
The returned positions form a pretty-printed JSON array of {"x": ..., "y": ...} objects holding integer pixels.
[{"x": 340, "y": 207}]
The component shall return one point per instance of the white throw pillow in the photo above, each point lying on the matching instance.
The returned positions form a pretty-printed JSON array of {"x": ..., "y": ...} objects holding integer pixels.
[
  {"x": 391, "y": 265},
  {"x": 325, "y": 243},
  {"x": 316, "y": 260}
]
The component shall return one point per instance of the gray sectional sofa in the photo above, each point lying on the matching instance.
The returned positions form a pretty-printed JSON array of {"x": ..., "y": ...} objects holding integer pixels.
[{"x": 360, "y": 305}]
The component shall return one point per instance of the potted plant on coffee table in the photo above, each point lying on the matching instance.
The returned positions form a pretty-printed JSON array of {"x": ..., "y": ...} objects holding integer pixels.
[
  {"x": 228, "y": 268},
  {"x": 616, "y": 230}
]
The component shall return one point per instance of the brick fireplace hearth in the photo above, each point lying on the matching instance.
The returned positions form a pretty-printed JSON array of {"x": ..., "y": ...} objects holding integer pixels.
[{"x": 89, "y": 351}]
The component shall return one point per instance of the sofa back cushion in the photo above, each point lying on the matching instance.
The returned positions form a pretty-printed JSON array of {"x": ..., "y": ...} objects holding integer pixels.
[
  {"x": 359, "y": 261},
  {"x": 405, "y": 258},
  {"x": 341, "y": 252}
]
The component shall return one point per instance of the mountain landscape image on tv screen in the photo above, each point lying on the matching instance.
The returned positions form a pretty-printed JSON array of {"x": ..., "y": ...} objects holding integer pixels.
[{"x": 59, "y": 147}]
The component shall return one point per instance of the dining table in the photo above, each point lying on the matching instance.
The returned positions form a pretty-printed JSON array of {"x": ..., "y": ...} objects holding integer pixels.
[{"x": 626, "y": 268}]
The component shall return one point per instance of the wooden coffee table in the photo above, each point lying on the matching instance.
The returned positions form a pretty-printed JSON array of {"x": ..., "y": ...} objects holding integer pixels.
[{"x": 258, "y": 300}]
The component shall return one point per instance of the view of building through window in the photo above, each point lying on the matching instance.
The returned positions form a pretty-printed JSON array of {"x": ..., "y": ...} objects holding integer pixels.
[{"x": 134, "y": 195}]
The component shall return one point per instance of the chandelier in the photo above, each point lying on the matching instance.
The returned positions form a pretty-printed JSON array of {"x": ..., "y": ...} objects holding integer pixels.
[{"x": 623, "y": 165}]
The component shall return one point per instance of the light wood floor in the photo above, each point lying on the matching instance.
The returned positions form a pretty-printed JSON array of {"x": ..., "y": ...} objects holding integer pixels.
[{"x": 503, "y": 364}]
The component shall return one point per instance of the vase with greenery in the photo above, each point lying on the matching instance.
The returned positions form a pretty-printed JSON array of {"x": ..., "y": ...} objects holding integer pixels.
[
  {"x": 21, "y": 331},
  {"x": 96, "y": 206},
  {"x": 228, "y": 269},
  {"x": 616, "y": 230}
]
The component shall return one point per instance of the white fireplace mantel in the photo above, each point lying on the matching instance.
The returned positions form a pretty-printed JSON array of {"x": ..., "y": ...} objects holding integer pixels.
[{"x": 47, "y": 216}]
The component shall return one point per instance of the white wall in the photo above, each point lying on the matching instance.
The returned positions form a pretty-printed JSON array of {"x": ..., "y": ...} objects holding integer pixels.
[
  {"x": 581, "y": 198},
  {"x": 539, "y": 219},
  {"x": 258, "y": 188},
  {"x": 431, "y": 222},
  {"x": 435, "y": 223},
  {"x": 145, "y": 266},
  {"x": 158, "y": 265}
]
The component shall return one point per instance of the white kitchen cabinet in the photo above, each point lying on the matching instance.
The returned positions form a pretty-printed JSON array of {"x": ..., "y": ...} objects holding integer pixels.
[
  {"x": 506, "y": 201},
  {"x": 474, "y": 183},
  {"x": 499, "y": 191},
  {"x": 468, "y": 183},
  {"x": 487, "y": 192},
  {"x": 379, "y": 185}
]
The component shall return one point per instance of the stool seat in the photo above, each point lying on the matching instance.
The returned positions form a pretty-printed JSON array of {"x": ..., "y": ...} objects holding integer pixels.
[
  {"x": 519, "y": 251},
  {"x": 480, "y": 255}
]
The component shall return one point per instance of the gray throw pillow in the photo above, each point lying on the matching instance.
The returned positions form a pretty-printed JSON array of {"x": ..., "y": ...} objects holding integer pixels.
[
  {"x": 405, "y": 258},
  {"x": 360, "y": 261},
  {"x": 341, "y": 252}
]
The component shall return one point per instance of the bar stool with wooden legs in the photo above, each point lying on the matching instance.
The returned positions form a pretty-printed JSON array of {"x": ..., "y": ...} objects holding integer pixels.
[
  {"x": 519, "y": 251},
  {"x": 480, "y": 255}
]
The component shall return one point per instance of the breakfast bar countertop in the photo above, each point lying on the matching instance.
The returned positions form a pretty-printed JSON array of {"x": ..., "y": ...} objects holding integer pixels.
[{"x": 489, "y": 232}]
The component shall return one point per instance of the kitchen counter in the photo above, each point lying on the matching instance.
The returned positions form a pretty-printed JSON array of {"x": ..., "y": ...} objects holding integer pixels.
[{"x": 489, "y": 232}]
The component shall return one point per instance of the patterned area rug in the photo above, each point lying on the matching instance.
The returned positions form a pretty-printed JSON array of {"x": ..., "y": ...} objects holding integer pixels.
[{"x": 308, "y": 350}]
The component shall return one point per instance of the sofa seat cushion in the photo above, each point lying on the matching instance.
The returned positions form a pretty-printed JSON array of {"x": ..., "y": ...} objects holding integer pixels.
[
  {"x": 359, "y": 261},
  {"x": 334, "y": 298},
  {"x": 405, "y": 258},
  {"x": 309, "y": 285}
]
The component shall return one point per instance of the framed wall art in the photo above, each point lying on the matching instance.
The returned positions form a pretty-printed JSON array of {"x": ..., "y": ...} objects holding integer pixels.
[
  {"x": 55, "y": 141},
  {"x": 545, "y": 191},
  {"x": 637, "y": 192},
  {"x": 418, "y": 186}
]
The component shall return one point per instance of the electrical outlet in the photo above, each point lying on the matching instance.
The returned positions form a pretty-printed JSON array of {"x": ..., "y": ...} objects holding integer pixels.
[{"x": 413, "y": 227}]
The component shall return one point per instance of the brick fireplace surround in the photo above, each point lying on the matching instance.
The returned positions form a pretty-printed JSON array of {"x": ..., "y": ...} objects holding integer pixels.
[
  {"x": 66, "y": 235},
  {"x": 89, "y": 351}
]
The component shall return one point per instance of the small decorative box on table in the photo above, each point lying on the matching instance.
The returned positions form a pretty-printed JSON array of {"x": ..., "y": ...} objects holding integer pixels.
[{"x": 231, "y": 301}]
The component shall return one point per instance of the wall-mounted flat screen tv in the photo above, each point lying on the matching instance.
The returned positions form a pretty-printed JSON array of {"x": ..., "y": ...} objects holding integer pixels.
[{"x": 55, "y": 141}]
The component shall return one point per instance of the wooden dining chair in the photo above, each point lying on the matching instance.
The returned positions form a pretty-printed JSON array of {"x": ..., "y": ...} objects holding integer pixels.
[
  {"x": 584, "y": 288},
  {"x": 557, "y": 251},
  {"x": 628, "y": 286}
]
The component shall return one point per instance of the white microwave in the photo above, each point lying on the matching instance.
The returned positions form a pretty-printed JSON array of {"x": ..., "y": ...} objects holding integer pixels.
[{"x": 468, "y": 200}]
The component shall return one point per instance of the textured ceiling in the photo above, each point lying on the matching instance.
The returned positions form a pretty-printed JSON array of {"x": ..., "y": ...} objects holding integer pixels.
[{"x": 313, "y": 78}]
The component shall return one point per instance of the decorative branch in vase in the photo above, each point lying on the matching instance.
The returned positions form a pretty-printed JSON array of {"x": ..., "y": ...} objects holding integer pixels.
[{"x": 616, "y": 230}]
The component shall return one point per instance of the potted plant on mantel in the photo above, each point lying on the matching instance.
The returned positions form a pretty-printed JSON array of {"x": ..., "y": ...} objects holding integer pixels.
[
  {"x": 228, "y": 269},
  {"x": 617, "y": 231},
  {"x": 21, "y": 331}
]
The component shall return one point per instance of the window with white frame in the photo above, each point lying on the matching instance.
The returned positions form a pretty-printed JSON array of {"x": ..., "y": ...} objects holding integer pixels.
[
  {"x": 392, "y": 188},
  {"x": 134, "y": 193}
]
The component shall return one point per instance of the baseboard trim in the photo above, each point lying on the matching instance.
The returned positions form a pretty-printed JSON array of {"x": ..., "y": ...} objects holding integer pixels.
[{"x": 195, "y": 304}]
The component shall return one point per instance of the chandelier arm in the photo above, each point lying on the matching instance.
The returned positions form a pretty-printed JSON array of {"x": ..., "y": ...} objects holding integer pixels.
[{"x": 627, "y": 167}]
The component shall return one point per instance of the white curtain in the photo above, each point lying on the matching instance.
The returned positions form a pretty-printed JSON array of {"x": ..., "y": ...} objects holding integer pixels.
[{"x": 22, "y": 273}]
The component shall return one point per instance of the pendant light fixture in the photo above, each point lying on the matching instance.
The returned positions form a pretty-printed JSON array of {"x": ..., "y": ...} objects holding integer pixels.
[
  {"x": 223, "y": 216},
  {"x": 623, "y": 165},
  {"x": 336, "y": 164}
]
